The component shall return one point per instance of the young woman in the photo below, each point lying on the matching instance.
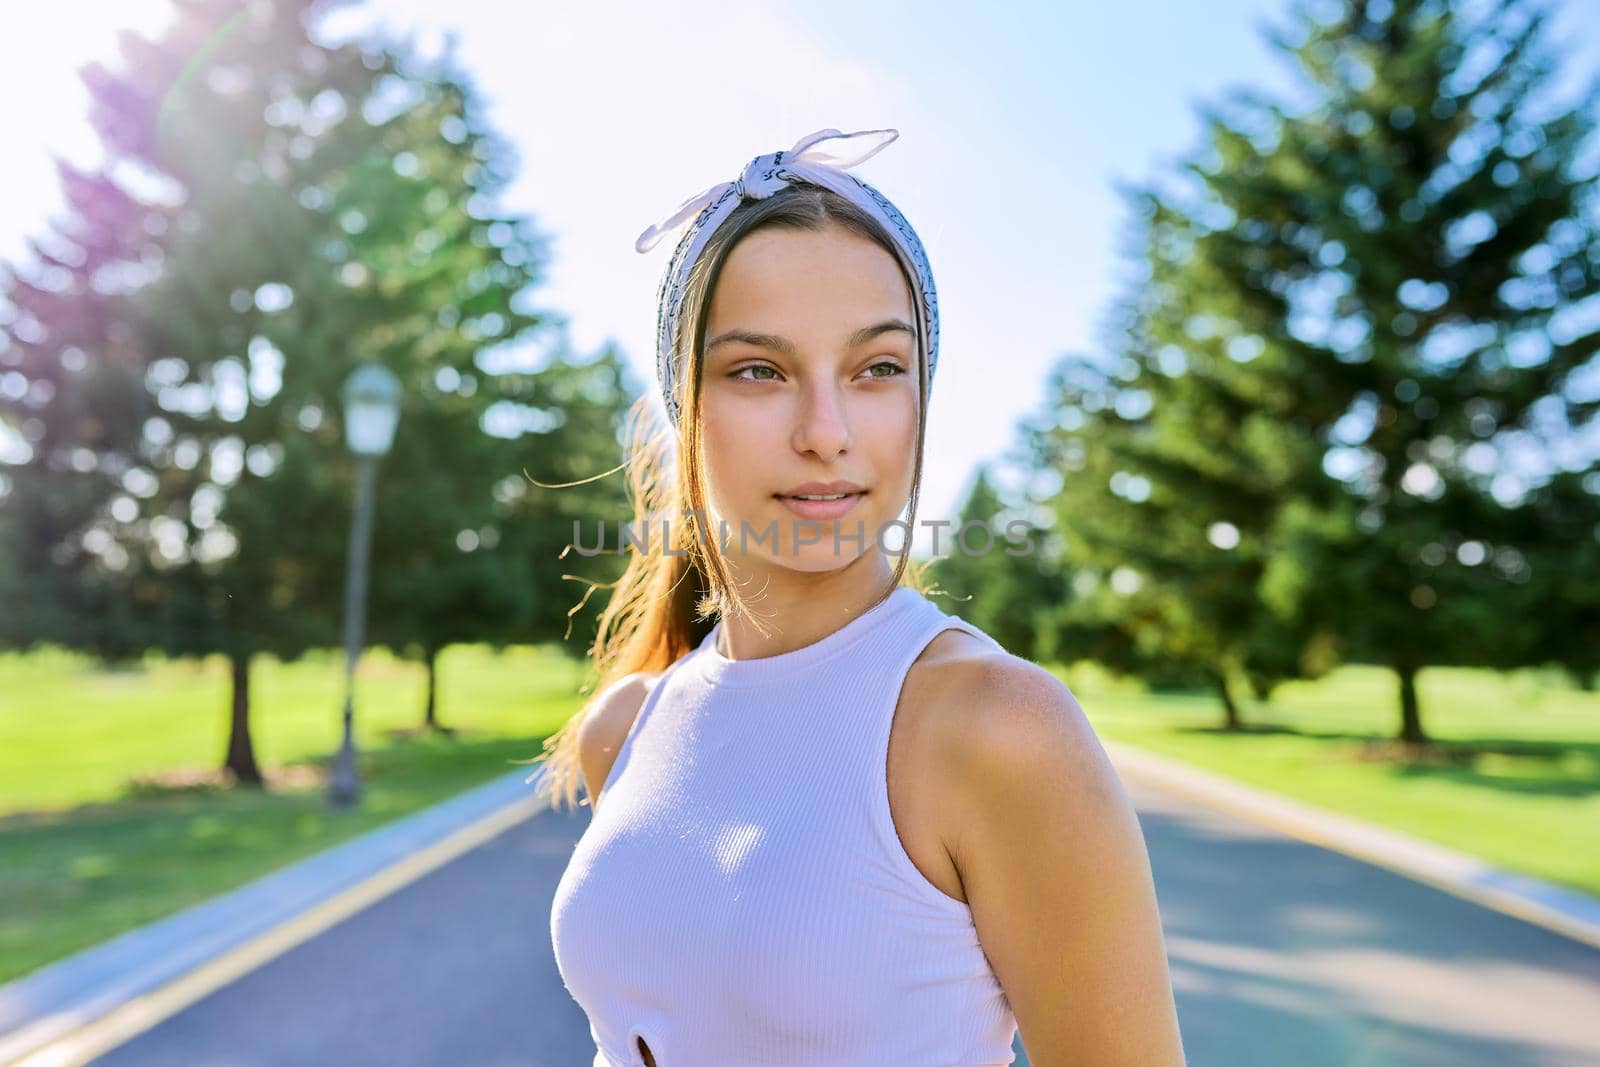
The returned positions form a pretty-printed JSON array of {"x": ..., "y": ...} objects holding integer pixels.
[{"x": 839, "y": 826}]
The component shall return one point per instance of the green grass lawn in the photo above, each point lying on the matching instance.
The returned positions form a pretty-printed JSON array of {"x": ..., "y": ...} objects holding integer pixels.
[
  {"x": 99, "y": 832},
  {"x": 1514, "y": 776}
]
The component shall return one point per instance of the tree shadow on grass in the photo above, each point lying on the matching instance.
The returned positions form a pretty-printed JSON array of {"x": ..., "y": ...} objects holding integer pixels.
[
  {"x": 408, "y": 762},
  {"x": 1549, "y": 768},
  {"x": 192, "y": 781}
]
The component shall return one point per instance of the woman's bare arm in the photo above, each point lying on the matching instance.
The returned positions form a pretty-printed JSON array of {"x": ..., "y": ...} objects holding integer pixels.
[
  {"x": 1054, "y": 866},
  {"x": 600, "y": 736}
]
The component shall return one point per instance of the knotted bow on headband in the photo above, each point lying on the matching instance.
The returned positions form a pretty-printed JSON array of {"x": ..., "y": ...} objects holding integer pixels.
[{"x": 816, "y": 159}]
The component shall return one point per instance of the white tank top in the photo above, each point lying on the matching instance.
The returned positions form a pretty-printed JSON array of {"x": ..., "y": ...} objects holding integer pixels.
[{"x": 741, "y": 897}]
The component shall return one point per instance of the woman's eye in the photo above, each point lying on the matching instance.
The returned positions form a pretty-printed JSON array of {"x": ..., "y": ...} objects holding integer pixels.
[{"x": 893, "y": 369}]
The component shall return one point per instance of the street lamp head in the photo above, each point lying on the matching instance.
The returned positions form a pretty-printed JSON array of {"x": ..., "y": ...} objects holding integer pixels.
[{"x": 371, "y": 409}]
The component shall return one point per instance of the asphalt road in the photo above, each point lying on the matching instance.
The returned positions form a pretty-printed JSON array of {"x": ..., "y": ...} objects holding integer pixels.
[{"x": 1281, "y": 953}]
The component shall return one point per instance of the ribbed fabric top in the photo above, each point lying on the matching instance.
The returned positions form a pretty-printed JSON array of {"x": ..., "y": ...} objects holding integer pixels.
[{"x": 741, "y": 897}]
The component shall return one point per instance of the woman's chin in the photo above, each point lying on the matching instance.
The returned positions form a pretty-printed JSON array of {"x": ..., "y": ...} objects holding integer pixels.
[
  {"x": 798, "y": 542},
  {"x": 818, "y": 559}
]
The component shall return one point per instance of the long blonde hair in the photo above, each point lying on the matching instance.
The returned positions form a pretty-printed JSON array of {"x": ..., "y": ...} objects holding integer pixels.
[{"x": 666, "y": 602}]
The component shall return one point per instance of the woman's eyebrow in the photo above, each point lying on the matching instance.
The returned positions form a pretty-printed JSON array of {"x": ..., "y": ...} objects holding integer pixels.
[{"x": 786, "y": 346}]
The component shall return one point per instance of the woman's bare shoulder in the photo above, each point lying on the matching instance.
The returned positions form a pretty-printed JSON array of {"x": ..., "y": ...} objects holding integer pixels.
[
  {"x": 990, "y": 704},
  {"x": 606, "y": 726},
  {"x": 1053, "y": 862},
  {"x": 974, "y": 697},
  {"x": 986, "y": 708},
  {"x": 966, "y": 678}
]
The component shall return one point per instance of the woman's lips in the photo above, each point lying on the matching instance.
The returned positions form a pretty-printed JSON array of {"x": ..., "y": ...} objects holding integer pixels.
[{"x": 821, "y": 509}]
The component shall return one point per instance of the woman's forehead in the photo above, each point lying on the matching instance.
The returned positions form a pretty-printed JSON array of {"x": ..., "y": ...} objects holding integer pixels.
[{"x": 801, "y": 273}]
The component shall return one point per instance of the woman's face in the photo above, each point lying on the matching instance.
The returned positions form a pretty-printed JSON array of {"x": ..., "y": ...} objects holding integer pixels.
[{"x": 809, "y": 375}]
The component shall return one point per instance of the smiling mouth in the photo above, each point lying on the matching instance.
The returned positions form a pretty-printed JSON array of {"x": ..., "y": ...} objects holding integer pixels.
[
  {"x": 821, "y": 497},
  {"x": 832, "y": 507}
]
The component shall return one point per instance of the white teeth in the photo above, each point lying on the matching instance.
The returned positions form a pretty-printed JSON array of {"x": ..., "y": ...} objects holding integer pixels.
[{"x": 837, "y": 496}]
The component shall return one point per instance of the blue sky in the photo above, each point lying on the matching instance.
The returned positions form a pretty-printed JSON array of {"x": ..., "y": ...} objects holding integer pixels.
[{"x": 1014, "y": 123}]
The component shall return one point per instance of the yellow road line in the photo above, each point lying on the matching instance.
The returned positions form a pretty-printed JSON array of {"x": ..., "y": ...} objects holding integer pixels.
[{"x": 98, "y": 1036}]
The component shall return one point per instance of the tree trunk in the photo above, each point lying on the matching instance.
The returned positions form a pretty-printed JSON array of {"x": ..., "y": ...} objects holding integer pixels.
[
  {"x": 431, "y": 658},
  {"x": 1410, "y": 713},
  {"x": 1230, "y": 710},
  {"x": 241, "y": 752}
]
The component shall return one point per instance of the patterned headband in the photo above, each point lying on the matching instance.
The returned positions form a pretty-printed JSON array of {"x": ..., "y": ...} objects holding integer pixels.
[{"x": 817, "y": 159}]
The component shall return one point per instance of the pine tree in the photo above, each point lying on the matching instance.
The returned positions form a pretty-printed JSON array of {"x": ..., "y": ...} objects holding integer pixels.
[
  {"x": 1379, "y": 301},
  {"x": 295, "y": 209},
  {"x": 489, "y": 570},
  {"x": 1430, "y": 240},
  {"x": 1169, "y": 481},
  {"x": 70, "y": 381},
  {"x": 1001, "y": 572}
]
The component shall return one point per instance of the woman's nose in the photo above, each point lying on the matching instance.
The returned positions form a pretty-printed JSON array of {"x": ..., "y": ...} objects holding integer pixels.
[{"x": 822, "y": 423}]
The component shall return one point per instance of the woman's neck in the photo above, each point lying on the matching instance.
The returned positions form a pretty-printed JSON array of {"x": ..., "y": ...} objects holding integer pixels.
[{"x": 800, "y": 609}]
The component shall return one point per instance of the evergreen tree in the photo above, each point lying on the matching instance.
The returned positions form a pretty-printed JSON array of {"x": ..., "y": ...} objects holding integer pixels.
[
  {"x": 1166, "y": 505},
  {"x": 1379, "y": 303},
  {"x": 489, "y": 569},
  {"x": 1001, "y": 572},
  {"x": 69, "y": 421},
  {"x": 280, "y": 211},
  {"x": 1442, "y": 199}
]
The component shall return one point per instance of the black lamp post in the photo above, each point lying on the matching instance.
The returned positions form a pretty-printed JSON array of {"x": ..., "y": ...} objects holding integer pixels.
[{"x": 371, "y": 412}]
